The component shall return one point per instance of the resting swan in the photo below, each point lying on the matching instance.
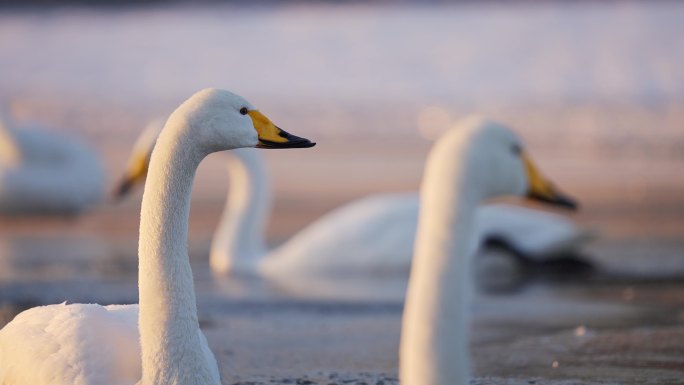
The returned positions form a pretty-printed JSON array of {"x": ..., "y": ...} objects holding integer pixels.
[
  {"x": 372, "y": 235},
  {"x": 93, "y": 344},
  {"x": 481, "y": 160},
  {"x": 42, "y": 172}
]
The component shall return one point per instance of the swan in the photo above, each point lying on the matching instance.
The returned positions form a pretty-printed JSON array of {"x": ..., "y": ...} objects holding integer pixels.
[
  {"x": 158, "y": 342},
  {"x": 42, "y": 172},
  {"x": 372, "y": 235},
  {"x": 481, "y": 160}
]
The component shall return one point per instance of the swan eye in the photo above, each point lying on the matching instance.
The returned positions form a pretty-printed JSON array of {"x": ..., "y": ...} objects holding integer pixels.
[
  {"x": 516, "y": 149},
  {"x": 244, "y": 110}
]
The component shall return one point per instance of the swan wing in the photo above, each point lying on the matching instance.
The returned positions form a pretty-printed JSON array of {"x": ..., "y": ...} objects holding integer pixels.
[
  {"x": 372, "y": 235},
  {"x": 71, "y": 344},
  {"x": 76, "y": 344},
  {"x": 534, "y": 233}
]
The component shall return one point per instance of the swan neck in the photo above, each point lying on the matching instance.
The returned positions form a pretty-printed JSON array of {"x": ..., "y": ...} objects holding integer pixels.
[
  {"x": 238, "y": 243},
  {"x": 169, "y": 329},
  {"x": 434, "y": 343}
]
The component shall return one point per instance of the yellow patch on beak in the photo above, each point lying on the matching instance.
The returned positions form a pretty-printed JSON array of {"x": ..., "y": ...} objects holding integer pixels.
[
  {"x": 538, "y": 185},
  {"x": 266, "y": 129},
  {"x": 135, "y": 174},
  {"x": 541, "y": 189}
]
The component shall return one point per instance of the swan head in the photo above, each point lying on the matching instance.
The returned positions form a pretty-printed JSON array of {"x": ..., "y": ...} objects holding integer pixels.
[
  {"x": 219, "y": 120},
  {"x": 500, "y": 164},
  {"x": 222, "y": 120}
]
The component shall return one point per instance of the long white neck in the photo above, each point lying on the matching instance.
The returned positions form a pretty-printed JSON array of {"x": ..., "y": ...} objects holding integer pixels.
[
  {"x": 434, "y": 340},
  {"x": 238, "y": 242},
  {"x": 169, "y": 330}
]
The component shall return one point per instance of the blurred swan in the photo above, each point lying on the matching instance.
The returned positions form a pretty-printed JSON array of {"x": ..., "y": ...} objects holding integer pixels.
[
  {"x": 480, "y": 160},
  {"x": 92, "y": 344},
  {"x": 373, "y": 235},
  {"x": 42, "y": 172}
]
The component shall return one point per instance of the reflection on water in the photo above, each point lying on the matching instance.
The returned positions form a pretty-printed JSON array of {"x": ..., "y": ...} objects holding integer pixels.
[{"x": 30, "y": 258}]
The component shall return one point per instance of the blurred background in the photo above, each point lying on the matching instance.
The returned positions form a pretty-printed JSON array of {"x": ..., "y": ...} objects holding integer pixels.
[{"x": 595, "y": 88}]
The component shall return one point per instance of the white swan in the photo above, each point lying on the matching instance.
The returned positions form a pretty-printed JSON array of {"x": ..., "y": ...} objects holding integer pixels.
[
  {"x": 42, "y": 172},
  {"x": 372, "y": 235},
  {"x": 93, "y": 344},
  {"x": 481, "y": 160}
]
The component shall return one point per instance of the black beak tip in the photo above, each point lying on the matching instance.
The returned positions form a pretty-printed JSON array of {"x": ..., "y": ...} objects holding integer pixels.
[
  {"x": 293, "y": 141},
  {"x": 557, "y": 200},
  {"x": 121, "y": 190},
  {"x": 307, "y": 144},
  {"x": 568, "y": 203}
]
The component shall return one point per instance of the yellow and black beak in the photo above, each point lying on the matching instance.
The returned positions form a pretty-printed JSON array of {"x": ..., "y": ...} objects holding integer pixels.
[
  {"x": 541, "y": 189},
  {"x": 271, "y": 136},
  {"x": 136, "y": 173}
]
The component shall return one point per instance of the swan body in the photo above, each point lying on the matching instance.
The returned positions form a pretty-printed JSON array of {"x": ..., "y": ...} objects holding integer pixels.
[
  {"x": 158, "y": 342},
  {"x": 74, "y": 344},
  {"x": 480, "y": 160},
  {"x": 376, "y": 235},
  {"x": 371, "y": 236},
  {"x": 42, "y": 172}
]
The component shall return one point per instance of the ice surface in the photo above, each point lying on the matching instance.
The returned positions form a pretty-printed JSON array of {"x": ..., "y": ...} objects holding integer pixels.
[{"x": 595, "y": 88}]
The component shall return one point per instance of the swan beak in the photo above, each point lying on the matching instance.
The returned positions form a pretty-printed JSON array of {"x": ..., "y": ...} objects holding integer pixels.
[
  {"x": 271, "y": 136},
  {"x": 541, "y": 189},
  {"x": 136, "y": 173}
]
